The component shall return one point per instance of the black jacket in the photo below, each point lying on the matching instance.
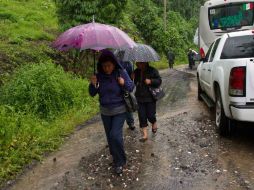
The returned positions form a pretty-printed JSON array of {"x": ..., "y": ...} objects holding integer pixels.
[
  {"x": 142, "y": 90},
  {"x": 171, "y": 57}
]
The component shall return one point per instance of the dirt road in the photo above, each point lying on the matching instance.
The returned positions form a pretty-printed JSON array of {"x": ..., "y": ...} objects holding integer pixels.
[{"x": 185, "y": 154}]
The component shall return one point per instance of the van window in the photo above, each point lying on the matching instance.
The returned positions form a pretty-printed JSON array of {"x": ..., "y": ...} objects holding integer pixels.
[{"x": 238, "y": 47}]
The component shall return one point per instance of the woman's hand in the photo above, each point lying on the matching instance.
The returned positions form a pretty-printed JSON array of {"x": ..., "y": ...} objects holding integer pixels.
[
  {"x": 133, "y": 76},
  {"x": 148, "y": 81},
  {"x": 94, "y": 80},
  {"x": 121, "y": 81}
]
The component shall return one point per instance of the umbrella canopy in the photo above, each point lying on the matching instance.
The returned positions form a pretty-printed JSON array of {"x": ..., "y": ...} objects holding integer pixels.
[
  {"x": 94, "y": 36},
  {"x": 141, "y": 53}
]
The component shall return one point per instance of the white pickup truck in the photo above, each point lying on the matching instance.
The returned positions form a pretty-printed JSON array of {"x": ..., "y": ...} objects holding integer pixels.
[{"x": 226, "y": 79}]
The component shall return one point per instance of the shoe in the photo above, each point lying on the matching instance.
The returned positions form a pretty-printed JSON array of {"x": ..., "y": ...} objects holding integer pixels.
[
  {"x": 112, "y": 164},
  {"x": 119, "y": 170},
  {"x": 154, "y": 128},
  {"x": 132, "y": 127},
  {"x": 143, "y": 139}
]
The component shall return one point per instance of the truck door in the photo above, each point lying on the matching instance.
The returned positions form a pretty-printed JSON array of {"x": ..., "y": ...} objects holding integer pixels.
[
  {"x": 210, "y": 66},
  {"x": 204, "y": 68}
]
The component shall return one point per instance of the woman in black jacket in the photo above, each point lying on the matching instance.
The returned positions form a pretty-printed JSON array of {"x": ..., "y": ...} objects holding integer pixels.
[{"x": 146, "y": 76}]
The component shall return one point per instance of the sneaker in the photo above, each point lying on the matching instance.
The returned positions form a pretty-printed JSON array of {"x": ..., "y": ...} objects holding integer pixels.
[
  {"x": 132, "y": 127},
  {"x": 119, "y": 170}
]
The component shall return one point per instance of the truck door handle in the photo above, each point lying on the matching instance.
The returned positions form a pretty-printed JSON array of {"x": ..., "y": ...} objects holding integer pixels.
[
  {"x": 204, "y": 69},
  {"x": 209, "y": 70}
]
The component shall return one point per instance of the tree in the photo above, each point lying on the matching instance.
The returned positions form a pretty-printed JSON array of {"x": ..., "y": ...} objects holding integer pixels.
[{"x": 74, "y": 12}]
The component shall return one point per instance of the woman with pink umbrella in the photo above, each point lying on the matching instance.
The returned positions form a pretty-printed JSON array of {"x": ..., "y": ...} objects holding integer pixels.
[{"x": 110, "y": 82}]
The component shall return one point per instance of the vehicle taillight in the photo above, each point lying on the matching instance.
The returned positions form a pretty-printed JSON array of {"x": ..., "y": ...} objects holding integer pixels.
[
  {"x": 202, "y": 53},
  {"x": 237, "y": 81}
]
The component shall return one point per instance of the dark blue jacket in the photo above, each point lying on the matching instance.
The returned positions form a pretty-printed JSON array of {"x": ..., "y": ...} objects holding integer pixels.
[{"x": 110, "y": 92}]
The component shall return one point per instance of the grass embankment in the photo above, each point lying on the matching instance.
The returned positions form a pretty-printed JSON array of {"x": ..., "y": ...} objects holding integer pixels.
[
  {"x": 27, "y": 27},
  {"x": 163, "y": 63},
  {"x": 39, "y": 104}
]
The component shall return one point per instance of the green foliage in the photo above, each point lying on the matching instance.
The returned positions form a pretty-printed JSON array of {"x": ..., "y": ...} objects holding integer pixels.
[
  {"x": 31, "y": 20},
  {"x": 39, "y": 105},
  {"x": 26, "y": 29},
  {"x": 179, "y": 33},
  {"x": 187, "y": 8},
  {"x": 43, "y": 89},
  {"x": 72, "y": 13},
  {"x": 24, "y": 137}
]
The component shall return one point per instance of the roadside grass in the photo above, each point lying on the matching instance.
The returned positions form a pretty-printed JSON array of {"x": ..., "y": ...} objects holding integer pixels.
[
  {"x": 163, "y": 63},
  {"x": 29, "y": 138},
  {"x": 60, "y": 101}
]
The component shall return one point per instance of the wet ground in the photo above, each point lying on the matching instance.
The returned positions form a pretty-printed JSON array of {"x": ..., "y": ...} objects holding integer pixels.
[{"x": 185, "y": 154}]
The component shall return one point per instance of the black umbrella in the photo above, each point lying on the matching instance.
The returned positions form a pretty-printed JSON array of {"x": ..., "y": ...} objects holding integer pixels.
[{"x": 140, "y": 53}]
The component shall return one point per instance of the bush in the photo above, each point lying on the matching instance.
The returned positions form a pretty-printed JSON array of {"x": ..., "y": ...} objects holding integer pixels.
[
  {"x": 44, "y": 90},
  {"x": 39, "y": 105},
  {"x": 75, "y": 12}
]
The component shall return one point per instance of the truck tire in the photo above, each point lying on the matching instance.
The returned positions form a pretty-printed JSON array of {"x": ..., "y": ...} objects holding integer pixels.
[
  {"x": 223, "y": 123},
  {"x": 199, "y": 91}
]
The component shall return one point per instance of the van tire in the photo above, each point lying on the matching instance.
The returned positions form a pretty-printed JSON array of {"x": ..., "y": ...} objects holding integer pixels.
[{"x": 223, "y": 124}]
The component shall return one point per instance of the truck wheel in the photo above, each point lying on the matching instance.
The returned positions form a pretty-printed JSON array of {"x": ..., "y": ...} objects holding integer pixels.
[
  {"x": 199, "y": 91},
  {"x": 223, "y": 123}
]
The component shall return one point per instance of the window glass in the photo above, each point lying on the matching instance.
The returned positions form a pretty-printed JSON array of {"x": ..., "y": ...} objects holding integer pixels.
[
  {"x": 238, "y": 47},
  {"x": 231, "y": 16},
  {"x": 214, "y": 50},
  {"x": 209, "y": 52}
]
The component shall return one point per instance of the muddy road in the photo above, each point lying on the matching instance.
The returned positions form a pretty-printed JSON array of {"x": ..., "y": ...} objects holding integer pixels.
[{"x": 186, "y": 153}]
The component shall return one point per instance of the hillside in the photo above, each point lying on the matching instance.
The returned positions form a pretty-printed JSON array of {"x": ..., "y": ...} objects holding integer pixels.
[{"x": 27, "y": 27}]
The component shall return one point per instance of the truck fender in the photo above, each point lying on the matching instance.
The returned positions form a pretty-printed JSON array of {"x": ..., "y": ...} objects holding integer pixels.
[{"x": 219, "y": 81}]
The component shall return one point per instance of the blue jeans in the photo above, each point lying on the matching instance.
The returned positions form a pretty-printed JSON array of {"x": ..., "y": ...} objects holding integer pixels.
[
  {"x": 113, "y": 126},
  {"x": 129, "y": 118}
]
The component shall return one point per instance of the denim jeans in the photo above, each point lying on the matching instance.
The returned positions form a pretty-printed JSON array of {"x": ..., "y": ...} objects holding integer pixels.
[
  {"x": 113, "y": 126},
  {"x": 146, "y": 111},
  {"x": 129, "y": 118}
]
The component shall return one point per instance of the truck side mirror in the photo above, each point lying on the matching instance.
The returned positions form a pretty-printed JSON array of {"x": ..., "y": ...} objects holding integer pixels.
[{"x": 204, "y": 59}]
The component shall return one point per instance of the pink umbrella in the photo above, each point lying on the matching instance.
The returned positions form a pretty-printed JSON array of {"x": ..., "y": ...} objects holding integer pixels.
[{"x": 94, "y": 36}]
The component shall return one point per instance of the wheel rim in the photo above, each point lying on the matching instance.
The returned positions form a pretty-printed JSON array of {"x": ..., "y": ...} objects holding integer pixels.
[{"x": 218, "y": 112}]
